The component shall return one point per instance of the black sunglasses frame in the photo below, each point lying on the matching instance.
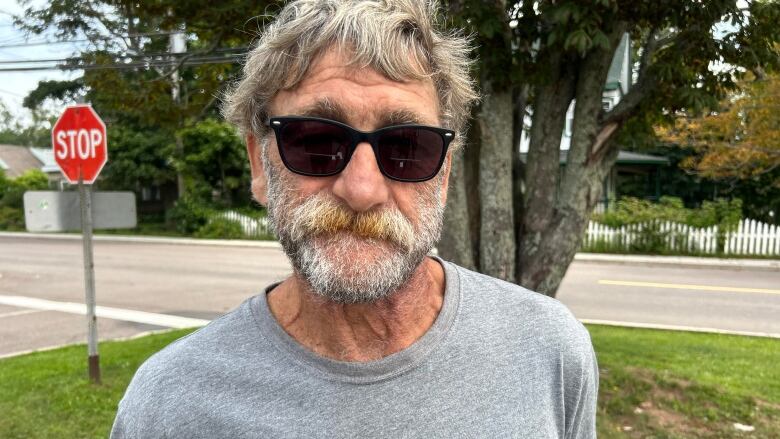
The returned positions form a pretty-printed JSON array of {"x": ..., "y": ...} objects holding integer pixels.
[{"x": 357, "y": 137}]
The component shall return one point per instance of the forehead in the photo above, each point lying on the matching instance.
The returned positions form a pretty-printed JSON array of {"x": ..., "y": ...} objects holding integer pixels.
[{"x": 357, "y": 95}]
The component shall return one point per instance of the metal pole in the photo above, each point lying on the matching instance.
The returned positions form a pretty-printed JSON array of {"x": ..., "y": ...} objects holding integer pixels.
[
  {"x": 178, "y": 44},
  {"x": 85, "y": 195}
]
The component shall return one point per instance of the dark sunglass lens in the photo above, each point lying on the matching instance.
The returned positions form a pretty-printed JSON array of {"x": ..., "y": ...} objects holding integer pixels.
[
  {"x": 313, "y": 147},
  {"x": 410, "y": 153}
]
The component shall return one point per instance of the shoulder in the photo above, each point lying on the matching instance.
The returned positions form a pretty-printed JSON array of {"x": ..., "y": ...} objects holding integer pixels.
[
  {"x": 198, "y": 349},
  {"x": 539, "y": 337},
  {"x": 179, "y": 373},
  {"x": 531, "y": 318}
]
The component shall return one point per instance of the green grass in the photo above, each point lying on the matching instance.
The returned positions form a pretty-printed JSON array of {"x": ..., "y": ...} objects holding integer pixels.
[
  {"x": 685, "y": 385},
  {"x": 47, "y": 394}
]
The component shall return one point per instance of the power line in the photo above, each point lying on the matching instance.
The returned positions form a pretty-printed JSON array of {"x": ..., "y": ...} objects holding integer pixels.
[
  {"x": 11, "y": 93},
  {"x": 239, "y": 51},
  {"x": 136, "y": 61},
  {"x": 195, "y": 61},
  {"x": 41, "y": 43},
  {"x": 85, "y": 40}
]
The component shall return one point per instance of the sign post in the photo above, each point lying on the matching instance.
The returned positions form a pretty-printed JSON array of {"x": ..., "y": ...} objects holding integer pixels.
[{"x": 79, "y": 142}]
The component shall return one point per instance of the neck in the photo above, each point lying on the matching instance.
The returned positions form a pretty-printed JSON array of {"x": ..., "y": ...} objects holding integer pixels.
[{"x": 365, "y": 331}]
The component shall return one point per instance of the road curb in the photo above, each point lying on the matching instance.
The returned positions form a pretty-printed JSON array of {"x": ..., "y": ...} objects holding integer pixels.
[
  {"x": 65, "y": 345},
  {"x": 681, "y": 261},
  {"x": 664, "y": 327},
  {"x": 148, "y": 239}
]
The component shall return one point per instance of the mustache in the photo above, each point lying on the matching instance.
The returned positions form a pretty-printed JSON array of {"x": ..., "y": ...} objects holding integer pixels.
[{"x": 320, "y": 215}]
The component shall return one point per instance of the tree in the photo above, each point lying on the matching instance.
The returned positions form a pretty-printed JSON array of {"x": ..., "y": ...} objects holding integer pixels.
[
  {"x": 536, "y": 57},
  {"x": 737, "y": 145},
  {"x": 214, "y": 162},
  {"x": 740, "y": 139},
  {"x": 145, "y": 94},
  {"x": 14, "y": 132}
]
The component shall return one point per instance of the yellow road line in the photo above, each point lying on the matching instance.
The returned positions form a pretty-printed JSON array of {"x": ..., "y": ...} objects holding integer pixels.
[{"x": 688, "y": 287}]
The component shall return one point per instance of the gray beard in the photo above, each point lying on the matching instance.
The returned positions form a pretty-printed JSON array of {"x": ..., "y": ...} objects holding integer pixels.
[{"x": 333, "y": 266}]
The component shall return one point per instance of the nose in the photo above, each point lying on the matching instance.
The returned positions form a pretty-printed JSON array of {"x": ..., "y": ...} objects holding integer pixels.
[{"x": 361, "y": 185}]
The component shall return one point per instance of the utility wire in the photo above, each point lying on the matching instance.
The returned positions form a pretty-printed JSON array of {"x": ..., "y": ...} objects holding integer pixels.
[
  {"x": 86, "y": 40},
  {"x": 239, "y": 51},
  {"x": 42, "y": 43},
  {"x": 195, "y": 61},
  {"x": 136, "y": 61}
]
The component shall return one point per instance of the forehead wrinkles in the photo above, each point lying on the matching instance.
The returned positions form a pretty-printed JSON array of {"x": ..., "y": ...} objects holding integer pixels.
[
  {"x": 331, "y": 109},
  {"x": 362, "y": 92}
]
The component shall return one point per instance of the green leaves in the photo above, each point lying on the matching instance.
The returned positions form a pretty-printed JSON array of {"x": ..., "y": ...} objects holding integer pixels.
[
  {"x": 568, "y": 11},
  {"x": 600, "y": 40},
  {"x": 214, "y": 162},
  {"x": 630, "y": 210},
  {"x": 578, "y": 40},
  {"x": 63, "y": 90}
]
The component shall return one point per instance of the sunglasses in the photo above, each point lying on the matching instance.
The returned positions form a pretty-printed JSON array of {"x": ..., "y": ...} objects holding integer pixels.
[{"x": 319, "y": 147}]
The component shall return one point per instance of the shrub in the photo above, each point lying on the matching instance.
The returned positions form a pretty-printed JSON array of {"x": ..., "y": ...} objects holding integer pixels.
[
  {"x": 628, "y": 210},
  {"x": 12, "y": 196},
  {"x": 11, "y": 218},
  {"x": 12, "y": 191},
  {"x": 4, "y": 182},
  {"x": 187, "y": 215},
  {"x": 220, "y": 228},
  {"x": 723, "y": 213}
]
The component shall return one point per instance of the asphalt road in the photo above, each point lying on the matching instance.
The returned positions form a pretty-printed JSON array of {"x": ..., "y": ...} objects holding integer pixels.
[{"x": 42, "y": 292}]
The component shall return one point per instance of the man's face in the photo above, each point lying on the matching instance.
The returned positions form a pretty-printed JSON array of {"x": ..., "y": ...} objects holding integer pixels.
[{"x": 355, "y": 236}]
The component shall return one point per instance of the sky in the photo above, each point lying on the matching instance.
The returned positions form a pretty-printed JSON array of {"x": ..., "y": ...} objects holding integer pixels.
[{"x": 14, "y": 86}]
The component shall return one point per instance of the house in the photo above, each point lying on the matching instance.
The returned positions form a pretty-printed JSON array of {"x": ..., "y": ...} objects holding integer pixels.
[
  {"x": 619, "y": 81},
  {"x": 16, "y": 160}
]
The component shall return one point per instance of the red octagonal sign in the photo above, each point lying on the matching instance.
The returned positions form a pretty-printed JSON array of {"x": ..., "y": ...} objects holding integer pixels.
[{"x": 79, "y": 142}]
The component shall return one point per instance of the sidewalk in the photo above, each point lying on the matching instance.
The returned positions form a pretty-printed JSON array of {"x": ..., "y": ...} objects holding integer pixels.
[{"x": 680, "y": 261}]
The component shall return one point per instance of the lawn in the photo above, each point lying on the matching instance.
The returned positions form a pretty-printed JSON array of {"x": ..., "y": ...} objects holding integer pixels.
[
  {"x": 669, "y": 384},
  {"x": 659, "y": 384}
]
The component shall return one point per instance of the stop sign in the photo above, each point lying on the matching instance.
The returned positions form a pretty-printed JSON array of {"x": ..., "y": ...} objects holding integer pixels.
[{"x": 79, "y": 142}]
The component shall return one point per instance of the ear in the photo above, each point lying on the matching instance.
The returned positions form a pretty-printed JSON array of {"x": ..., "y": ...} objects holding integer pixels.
[
  {"x": 259, "y": 179},
  {"x": 446, "y": 180}
]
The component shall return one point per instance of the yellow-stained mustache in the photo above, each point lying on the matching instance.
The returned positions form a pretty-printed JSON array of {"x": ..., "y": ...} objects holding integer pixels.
[{"x": 322, "y": 215}]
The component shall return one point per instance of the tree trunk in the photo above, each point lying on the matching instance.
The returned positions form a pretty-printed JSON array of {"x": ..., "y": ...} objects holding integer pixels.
[
  {"x": 456, "y": 241},
  {"x": 553, "y": 235},
  {"x": 551, "y": 102},
  {"x": 497, "y": 234},
  {"x": 518, "y": 168}
]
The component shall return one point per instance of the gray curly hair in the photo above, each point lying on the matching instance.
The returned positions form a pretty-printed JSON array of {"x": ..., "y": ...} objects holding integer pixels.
[{"x": 398, "y": 38}]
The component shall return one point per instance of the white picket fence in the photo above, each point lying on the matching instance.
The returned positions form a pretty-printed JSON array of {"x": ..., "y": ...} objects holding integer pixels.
[
  {"x": 252, "y": 227},
  {"x": 750, "y": 238},
  {"x": 754, "y": 238}
]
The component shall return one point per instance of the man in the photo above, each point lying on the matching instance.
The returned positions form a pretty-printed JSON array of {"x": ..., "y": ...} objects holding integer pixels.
[{"x": 351, "y": 112}]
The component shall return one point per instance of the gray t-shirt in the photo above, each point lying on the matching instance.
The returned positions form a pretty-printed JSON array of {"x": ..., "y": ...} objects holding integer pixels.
[{"x": 498, "y": 361}]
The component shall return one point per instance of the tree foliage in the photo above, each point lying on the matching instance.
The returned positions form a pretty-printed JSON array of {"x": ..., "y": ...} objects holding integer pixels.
[
  {"x": 546, "y": 55},
  {"x": 740, "y": 139},
  {"x": 137, "y": 158},
  {"x": 36, "y": 133},
  {"x": 146, "y": 95},
  {"x": 214, "y": 162}
]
